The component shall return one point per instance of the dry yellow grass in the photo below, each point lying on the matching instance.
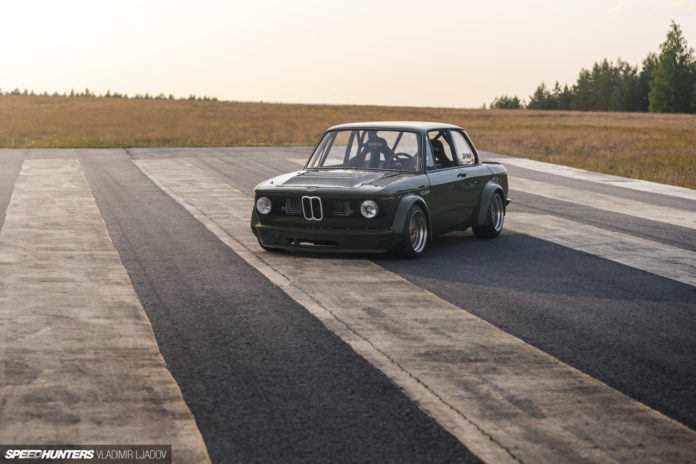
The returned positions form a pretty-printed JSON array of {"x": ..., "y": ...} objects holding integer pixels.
[{"x": 660, "y": 148}]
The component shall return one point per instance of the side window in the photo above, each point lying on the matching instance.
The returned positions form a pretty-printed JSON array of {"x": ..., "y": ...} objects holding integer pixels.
[
  {"x": 441, "y": 144},
  {"x": 465, "y": 155}
]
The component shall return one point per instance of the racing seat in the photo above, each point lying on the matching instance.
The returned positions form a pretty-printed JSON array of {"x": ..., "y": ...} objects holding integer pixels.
[
  {"x": 377, "y": 148},
  {"x": 439, "y": 154}
]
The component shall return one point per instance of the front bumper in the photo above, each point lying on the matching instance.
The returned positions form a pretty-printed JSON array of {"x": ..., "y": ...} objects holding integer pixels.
[{"x": 326, "y": 240}]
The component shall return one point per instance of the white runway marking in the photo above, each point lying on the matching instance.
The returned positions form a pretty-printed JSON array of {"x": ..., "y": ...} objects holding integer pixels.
[
  {"x": 607, "y": 179},
  {"x": 78, "y": 359},
  {"x": 663, "y": 260},
  {"x": 678, "y": 217},
  {"x": 505, "y": 400}
]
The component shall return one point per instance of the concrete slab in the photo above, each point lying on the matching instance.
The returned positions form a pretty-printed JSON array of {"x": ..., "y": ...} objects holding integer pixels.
[
  {"x": 674, "y": 216},
  {"x": 659, "y": 259},
  {"x": 80, "y": 364}
]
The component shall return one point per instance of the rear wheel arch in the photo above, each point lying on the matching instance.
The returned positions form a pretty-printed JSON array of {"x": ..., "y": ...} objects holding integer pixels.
[
  {"x": 492, "y": 225},
  {"x": 485, "y": 198}
]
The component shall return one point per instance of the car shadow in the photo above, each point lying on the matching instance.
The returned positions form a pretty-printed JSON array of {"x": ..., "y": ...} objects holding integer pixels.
[{"x": 523, "y": 263}]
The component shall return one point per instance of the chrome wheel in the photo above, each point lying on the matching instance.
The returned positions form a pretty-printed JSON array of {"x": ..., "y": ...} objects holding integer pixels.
[
  {"x": 418, "y": 231},
  {"x": 497, "y": 213}
]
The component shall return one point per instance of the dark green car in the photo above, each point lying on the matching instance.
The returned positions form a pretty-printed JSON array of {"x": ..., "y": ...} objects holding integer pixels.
[{"x": 380, "y": 186}]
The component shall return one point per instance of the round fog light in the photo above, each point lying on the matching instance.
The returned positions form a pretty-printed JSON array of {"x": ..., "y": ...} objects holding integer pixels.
[
  {"x": 369, "y": 209},
  {"x": 263, "y": 205}
]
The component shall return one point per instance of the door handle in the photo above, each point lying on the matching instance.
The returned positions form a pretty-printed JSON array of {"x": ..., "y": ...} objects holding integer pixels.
[{"x": 461, "y": 174}]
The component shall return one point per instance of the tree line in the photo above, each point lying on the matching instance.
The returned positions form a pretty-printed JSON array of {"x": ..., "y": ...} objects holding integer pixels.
[
  {"x": 108, "y": 94},
  {"x": 664, "y": 83}
]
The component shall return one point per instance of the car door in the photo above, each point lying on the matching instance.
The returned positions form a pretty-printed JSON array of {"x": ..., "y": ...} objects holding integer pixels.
[
  {"x": 445, "y": 199},
  {"x": 472, "y": 174}
]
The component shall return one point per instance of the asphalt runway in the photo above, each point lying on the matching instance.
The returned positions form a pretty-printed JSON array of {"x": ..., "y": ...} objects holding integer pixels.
[{"x": 267, "y": 380}]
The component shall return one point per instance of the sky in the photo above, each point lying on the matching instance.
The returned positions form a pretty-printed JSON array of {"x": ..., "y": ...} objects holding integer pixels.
[{"x": 449, "y": 53}]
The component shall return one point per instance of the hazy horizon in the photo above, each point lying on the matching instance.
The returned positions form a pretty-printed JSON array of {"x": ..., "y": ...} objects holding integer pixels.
[{"x": 441, "y": 54}]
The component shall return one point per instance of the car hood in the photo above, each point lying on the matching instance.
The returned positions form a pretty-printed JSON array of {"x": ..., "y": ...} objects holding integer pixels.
[{"x": 338, "y": 178}]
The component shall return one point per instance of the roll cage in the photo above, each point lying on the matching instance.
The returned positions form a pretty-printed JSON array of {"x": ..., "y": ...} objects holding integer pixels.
[{"x": 366, "y": 149}]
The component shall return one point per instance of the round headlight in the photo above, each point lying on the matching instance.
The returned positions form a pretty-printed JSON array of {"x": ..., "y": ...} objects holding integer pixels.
[
  {"x": 369, "y": 209},
  {"x": 263, "y": 205}
]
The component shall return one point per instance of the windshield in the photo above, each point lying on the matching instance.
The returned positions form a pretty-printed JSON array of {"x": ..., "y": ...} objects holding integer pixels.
[{"x": 368, "y": 149}]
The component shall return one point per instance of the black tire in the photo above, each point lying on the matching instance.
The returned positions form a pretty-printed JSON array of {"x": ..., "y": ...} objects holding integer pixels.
[
  {"x": 415, "y": 237},
  {"x": 495, "y": 218}
]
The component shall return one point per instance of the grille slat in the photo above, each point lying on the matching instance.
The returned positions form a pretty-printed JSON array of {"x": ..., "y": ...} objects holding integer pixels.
[
  {"x": 291, "y": 206},
  {"x": 341, "y": 208}
]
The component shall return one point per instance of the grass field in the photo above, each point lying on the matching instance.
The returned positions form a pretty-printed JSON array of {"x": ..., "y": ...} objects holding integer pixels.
[{"x": 655, "y": 147}]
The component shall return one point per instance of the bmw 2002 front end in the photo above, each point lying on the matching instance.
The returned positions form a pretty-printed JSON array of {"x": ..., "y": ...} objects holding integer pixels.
[{"x": 325, "y": 219}]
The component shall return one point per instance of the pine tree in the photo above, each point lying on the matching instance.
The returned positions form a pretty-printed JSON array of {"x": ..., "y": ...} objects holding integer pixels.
[
  {"x": 624, "y": 95},
  {"x": 504, "y": 103},
  {"x": 561, "y": 97},
  {"x": 646, "y": 75},
  {"x": 541, "y": 99},
  {"x": 583, "y": 92},
  {"x": 672, "y": 85}
]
